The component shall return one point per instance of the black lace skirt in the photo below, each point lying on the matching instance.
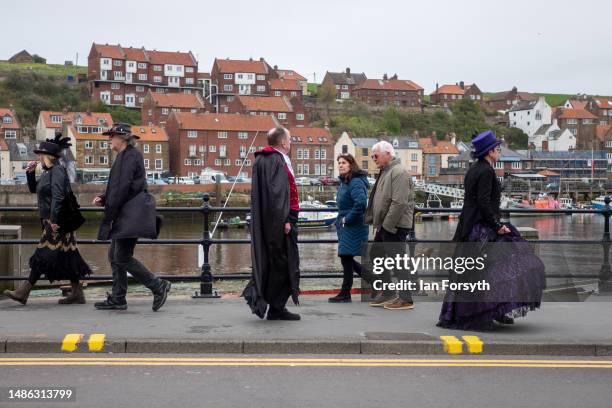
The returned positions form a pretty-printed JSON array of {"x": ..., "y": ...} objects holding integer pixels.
[{"x": 57, "y": 257}]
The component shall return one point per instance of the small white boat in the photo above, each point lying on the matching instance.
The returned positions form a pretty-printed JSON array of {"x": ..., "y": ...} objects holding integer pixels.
[{"x": 315, "y": 219}]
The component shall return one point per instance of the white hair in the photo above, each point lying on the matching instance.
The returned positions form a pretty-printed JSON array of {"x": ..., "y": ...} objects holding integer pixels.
[{"x": 384, "y": 146}]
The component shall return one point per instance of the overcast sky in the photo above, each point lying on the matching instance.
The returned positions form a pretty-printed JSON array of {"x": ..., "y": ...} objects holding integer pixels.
[{"x": 557, "y": 46}]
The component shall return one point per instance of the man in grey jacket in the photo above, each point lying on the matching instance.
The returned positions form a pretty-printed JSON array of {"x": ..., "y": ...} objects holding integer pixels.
[{"x": 390, "y": 212}]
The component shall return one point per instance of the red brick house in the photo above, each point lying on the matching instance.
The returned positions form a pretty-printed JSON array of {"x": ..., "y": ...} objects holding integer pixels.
[
  {"x": 344, "y": 82},
  {"x": 288, "y": 112},
  {"x": 157, "y": 107},
  {"x": 602, "y": 108},
  {"x": 230, "y": 78},
  {"x": 446, "y": 95},
  {"x": 505, "y": 100},
  {"x": 9, "y": 125},
  {"x": 312, "y": 151},
  {"x": 285, "y": 87},
  {"x": 216, "y": 140},
  {"x": 155, "y": 148},
  {"x": 289, "y": 74},
  {"x": 122, "y": 76},
  {"x": 386, "y": 92},
  {"x": 582, "y": 124},
  {"x": 85, "y": 122}
]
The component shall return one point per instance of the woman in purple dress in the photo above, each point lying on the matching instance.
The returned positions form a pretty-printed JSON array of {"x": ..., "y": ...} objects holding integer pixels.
[{"x": 514, "y": 273}]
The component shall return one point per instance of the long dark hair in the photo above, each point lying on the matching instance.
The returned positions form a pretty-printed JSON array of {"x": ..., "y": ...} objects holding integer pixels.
[{"x": 354, "y": 167}]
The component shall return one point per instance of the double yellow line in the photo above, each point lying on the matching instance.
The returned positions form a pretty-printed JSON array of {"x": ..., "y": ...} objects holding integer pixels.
[{"x": 303, "y": 362}]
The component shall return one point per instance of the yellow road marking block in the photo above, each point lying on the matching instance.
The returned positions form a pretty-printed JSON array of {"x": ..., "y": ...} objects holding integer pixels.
[
  {"x": 96, "y": 342},
  {"x": 475, "y": 345},
  {"x": 71, "y": 342},
  {"x": 452, "y": 345}
]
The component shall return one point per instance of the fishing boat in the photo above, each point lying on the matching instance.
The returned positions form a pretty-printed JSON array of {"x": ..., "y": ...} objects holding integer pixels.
[
  {"x": 234, "y": 222},
  {"x": 598, "y": 203},
  {"x": 308, "y": 219}
]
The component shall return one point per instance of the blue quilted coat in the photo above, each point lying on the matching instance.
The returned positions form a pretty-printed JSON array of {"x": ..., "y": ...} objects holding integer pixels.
[{"x": 352, "y": 200}]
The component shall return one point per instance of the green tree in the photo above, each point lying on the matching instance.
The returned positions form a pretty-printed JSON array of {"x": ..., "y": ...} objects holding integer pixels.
[{"x": 326, "y": 95}]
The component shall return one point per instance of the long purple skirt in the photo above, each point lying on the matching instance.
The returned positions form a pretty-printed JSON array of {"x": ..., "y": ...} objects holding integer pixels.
[{"x": 516, "y": 278}]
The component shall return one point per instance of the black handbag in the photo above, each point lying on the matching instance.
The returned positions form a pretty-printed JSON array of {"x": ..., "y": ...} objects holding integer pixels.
[{"x": 69, "y": 217}]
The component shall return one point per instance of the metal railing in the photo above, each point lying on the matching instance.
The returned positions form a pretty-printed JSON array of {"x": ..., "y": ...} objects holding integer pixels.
[{"x": 206, "y": 277}]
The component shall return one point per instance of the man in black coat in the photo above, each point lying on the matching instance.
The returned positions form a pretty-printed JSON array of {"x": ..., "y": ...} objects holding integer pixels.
[
  {"x": 129, "y": 214},
  {"x": 274, "y": 215}
]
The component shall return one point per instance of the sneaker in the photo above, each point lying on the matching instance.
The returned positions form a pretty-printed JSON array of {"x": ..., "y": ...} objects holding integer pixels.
[
  {"x": 111, "y": 304},
  {"x": 382, "y": 299},
  {"x": 284, "y": 315},
  {"x": 399, "y": 304},
  {"x": 160, "y": 298}
]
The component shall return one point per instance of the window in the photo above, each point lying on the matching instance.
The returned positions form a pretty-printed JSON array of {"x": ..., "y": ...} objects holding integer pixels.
[
  {"x": 117, "y": 63},
  {"x": 106, "y": 61},
  {"x": 142, "y": 77},
  {"x": 243, "y": 135},
  {"x": 189, "y": 70},
  {"x": 344, "y": 149},
  {"x": 222, "y": 135},
  {"x": 431, "y": 171},
  {"x": 261, "y": 88},
  {"x": 299, "y": 116},
  {"x": 146, "y": 163},
  {"x": 282, "y": 115},
  {"x": 165, "y": 111},
  {"x": 499, "y": 165},
  {"x": 261, "y": 77},
  {"x": 145, "y": 148},
  {"x": 247, "y": 162},
  {"x": 158, "y": 148},
  {"x": 306, "y": 153},
  {"x": 516, "y": 165},
  {"x": 364, "y": 152},
  {"x": 344, "y": 95},
  {"x": 157, "y": 68},
  {"x": 192, "y": 150},
  {"x": 56, "y": 119},
  {"x": 238, "y": 162},
  {"x": 413, "y": 169},
  {"x": 192, "y": 134},
  {"x": 277, "y": 93},
  {"x": 212, "y": 148},
  {"x": 293, "y": 93},
  {"x": 140, "y": 88},
  {"x": 115, "y": 85},
  {"x": 317, "y": 154},
  {"x": 574, "y": 131},
  {"x": 89, "y": 160},
  {"x": 572, "y": 121},
  {"x": 306, "y": 169},
  {"x": 217, "y": 162},
  {"x": 414, "y": 157},
  {"x": 227, "y": 76},
  {"x": 88, "y": 144},
  {"x": 300, "y": 154},
  {"x": 609, "y": 143},
  {"x": 227, "y": 162},
  {"x": 10, "y": 134},
  {"x": 142, "y": 65},
  {"x": 118, "y": 75},
  {"x": 160, "y": 90},
  {"x": 323, "y": 154},
  {"x": 103, "y": 159},
  {"x": 230, "y": 98},
  {"x": 344, "y": 86},
  {"x": 103, "y": 145},
  {"x": 189, "y": 81},
  {"x": 118, "y": 97},
  {"x": 197, "y": 162},
  {"x": 157, "y": 79},
  {"x": 222, "y": 150},
  {"x": 228, "y": 88}
]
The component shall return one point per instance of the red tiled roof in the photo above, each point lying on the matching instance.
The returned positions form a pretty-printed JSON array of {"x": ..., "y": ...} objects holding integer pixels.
[
  {"x": 390, "y": 85},
  {"x": 109, "y": 51},
  {"x": 150, "y": 133},
  {"x": 576, "y": 104},
  {"x": 576, "y": 114},
  {"x": 449, "y": 89},
  {"x": 177, "y": 100},
  {"x": 7, "y": 112},
  {"x": 89, "y": 119},
  {"x": 441, "y": 146},
  {"x": 167, "y": 57},
  {"x": 602, "y": 130},
  {"x": 135, "y": 54},
  {"x": 527, "y": 96},
  {"x": 284, "y": 85},
  {"x": 290, "y": 74},
  {"x": 265, "y": 103},
  {"x": 313, "y": 132},
  {"x": 604, "y": 103},
  {"x": 204, "y": 75},
  {"x": 249, "y": 66},
  {"x": 224, "y": 121},
  {"x": 87, "y": 136}
]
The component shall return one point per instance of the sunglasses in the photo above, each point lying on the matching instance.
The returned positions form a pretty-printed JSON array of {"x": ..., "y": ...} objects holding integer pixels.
[{"x": 374, "y": 156}]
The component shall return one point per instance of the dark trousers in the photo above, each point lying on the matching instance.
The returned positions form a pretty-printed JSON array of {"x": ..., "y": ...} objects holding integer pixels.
[
  {"x": 121, "y": 258},
  {"x": 278, "y": 285},
  {"x": 400, "y": 236},
  {"x": 349, "y": 266}
]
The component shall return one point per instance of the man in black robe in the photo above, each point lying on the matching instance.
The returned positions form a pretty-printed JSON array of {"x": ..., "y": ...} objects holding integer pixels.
[{"x": 274, "y": 215}]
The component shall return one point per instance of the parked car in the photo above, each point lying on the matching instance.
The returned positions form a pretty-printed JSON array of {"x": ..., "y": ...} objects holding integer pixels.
[
  {"x": 315, "y": 182},
  {"x": 329, "y": 181},
  {"x": 185, "y": 180},
  {"x": 302, "y": 181},
  {"x": 372, "y": 181},
  {"x": 158, "y": 182}
]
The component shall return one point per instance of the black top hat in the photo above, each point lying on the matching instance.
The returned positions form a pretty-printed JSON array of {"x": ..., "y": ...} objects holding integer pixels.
[
  {"x": 53, "y": 146},
  {"x": 121, "y": 129}
]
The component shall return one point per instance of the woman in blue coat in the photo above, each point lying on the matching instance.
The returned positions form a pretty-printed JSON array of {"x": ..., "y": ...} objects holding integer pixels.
[{"x": 352, "y": 199}]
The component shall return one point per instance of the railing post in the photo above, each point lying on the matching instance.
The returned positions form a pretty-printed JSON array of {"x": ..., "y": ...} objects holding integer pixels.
[
  {"x": 604, "y": 274},
  {"x": 206, "y": 278}
]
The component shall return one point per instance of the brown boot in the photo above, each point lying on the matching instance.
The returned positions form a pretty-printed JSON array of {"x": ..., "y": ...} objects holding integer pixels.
[
  {"x": 76, "y": 295},
  {"x": 20, "y": 295}
]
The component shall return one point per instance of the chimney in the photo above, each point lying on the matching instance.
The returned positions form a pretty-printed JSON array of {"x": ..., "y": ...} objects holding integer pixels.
[
  {"x": 276, "y": 67},
  {"x": 437, "y": 86},
  {"x": 453, "y": 139},
  {"x": 261, "y": 59},
  {"x": 385, "y": 77},
  {"x": 462, "y": 85},
  {"x": 250, "y": 59},
  {"x": 348, "y": 71},
  {"x": 394, "y": 77}
]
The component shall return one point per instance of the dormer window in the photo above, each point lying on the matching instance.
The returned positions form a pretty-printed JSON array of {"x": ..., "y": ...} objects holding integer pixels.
[
  {"x": 79, "y": 120},
  {"x": 7, "y": 120},
  {"x": 56, "y": 119}
]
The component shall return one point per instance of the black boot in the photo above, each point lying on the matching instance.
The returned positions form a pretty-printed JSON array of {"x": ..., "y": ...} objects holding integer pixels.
[
  {"x": 160, "y": 297},
  {"x": 111, "y": 304},
  {"x": 343, "y": 297},
  {"x": 274, "y": 314}
]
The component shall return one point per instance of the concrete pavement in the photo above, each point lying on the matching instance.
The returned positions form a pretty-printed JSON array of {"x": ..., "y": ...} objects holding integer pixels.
[{"x": 226, "y": 325}]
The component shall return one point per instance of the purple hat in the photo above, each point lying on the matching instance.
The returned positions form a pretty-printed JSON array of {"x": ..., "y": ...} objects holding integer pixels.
[{"x": 485, "y": 142}]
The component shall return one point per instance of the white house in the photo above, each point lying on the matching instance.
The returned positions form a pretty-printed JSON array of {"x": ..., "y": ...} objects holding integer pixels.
[
  {"x": 551, "y": 138},
  {"x": 530, "y": 116},
  {"x": 343, "y": 145}
]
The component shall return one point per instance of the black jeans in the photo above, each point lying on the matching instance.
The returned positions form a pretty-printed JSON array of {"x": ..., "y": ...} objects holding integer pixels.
[
  {"x": 383, "y": 235},
  {"x": 349, "y": 265},
  {"x": 121, "y": 258}
]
